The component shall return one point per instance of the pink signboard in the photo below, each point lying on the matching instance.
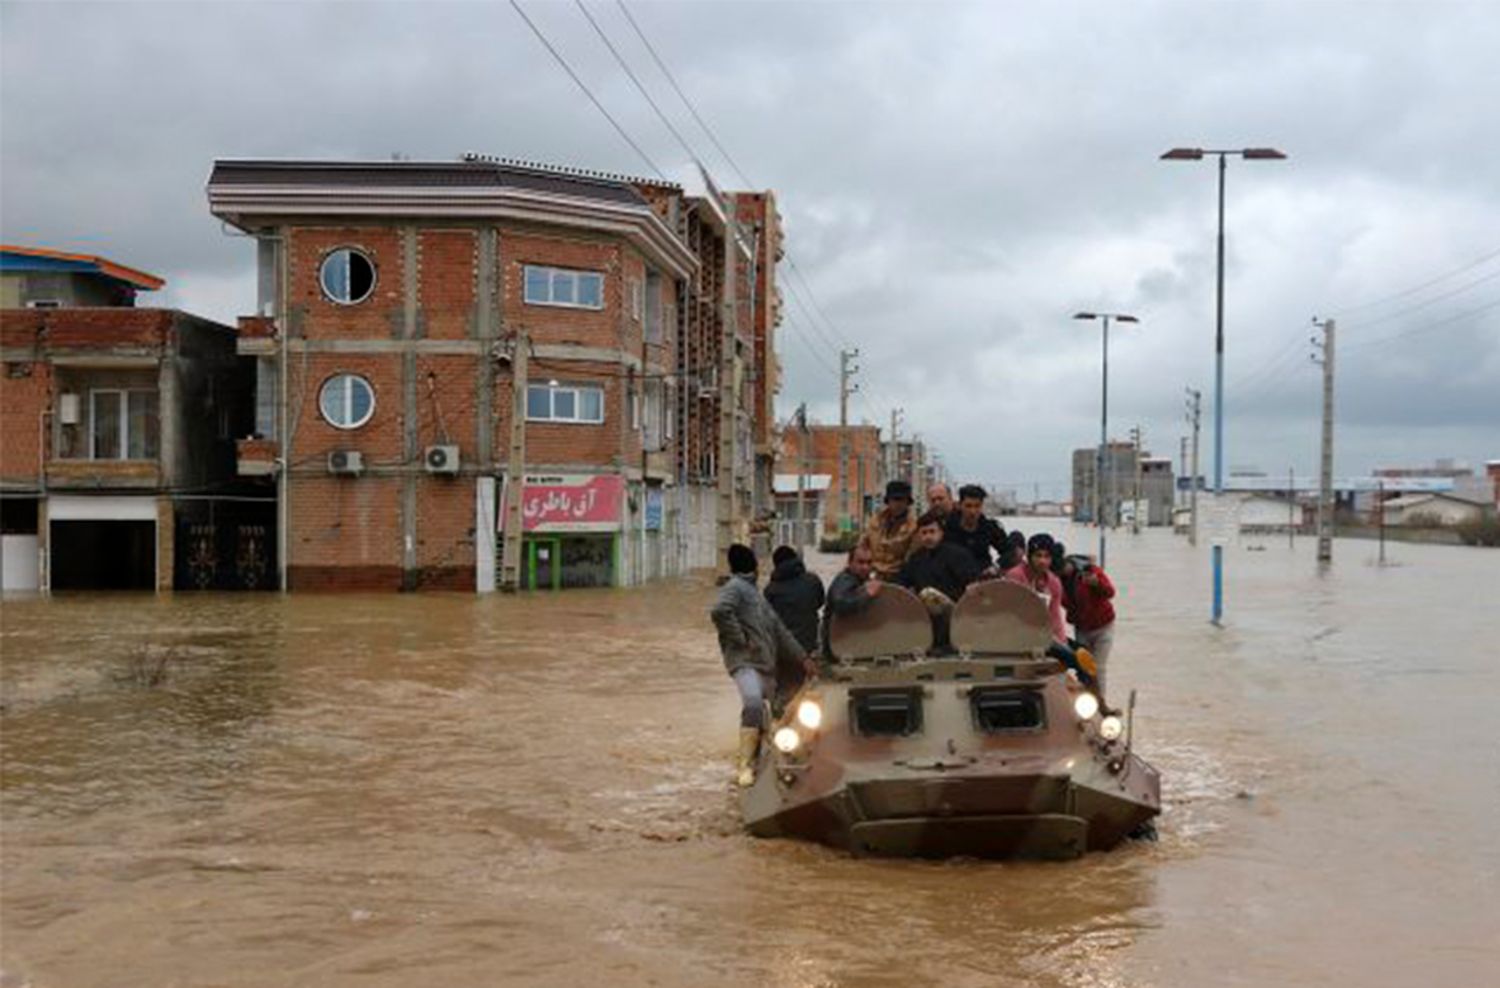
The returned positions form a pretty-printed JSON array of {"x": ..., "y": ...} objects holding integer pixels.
[{"x": 572, "y": 503}]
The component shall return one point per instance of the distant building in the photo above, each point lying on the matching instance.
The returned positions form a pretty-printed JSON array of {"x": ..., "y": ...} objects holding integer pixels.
[
  {"x": 850, "y": 456},
  {"x": 1433, "y": 509},
  {"x": 1156, "y": 485},
  {"x": 41, "y": 278},
  {"x": 117, "y": 466}
]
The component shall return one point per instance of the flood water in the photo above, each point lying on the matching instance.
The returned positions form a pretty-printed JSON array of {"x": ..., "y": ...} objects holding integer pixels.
[{"x": 443, "y": 789}]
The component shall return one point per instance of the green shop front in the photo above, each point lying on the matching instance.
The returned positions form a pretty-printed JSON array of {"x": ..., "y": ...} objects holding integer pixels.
[{"x": 571, "y": 525}]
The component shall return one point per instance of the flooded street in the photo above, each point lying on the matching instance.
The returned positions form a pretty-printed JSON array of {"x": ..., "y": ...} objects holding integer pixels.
[{"x": 444, "y": 789}]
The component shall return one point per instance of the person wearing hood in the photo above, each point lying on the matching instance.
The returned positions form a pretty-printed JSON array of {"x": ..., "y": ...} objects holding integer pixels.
[
  {"x": 796, "y": 596},
  {"x": 752, "y": 640}
]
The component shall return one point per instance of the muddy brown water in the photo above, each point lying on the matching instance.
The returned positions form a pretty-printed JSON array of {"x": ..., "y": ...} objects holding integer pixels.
[{"x": 442, "y": 789}]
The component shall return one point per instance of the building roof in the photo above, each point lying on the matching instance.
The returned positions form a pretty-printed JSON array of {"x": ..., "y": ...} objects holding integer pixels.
[
  {"x": 474, "y": 172},
  {"x": 786, "y": 483},
  {"x": 17, "y": 258},
  {"x": 1412, "y": 500},
  {"x": 253, "y": 193}
]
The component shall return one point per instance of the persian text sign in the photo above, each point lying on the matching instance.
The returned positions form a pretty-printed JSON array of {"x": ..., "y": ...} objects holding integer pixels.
[{"x": 572, "y": 503}]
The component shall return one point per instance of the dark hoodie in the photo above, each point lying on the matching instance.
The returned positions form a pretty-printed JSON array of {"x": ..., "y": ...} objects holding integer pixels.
[{"x": 796, "y": 596}]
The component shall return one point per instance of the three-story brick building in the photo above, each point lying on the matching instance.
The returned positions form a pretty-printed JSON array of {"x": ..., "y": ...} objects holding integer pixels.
[{"x": 403, "y": 308}]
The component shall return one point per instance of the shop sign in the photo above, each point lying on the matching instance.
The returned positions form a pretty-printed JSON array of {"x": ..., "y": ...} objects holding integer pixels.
[
  {"x": 654, "y": 507},
  {"x": 572, "y": 503}
]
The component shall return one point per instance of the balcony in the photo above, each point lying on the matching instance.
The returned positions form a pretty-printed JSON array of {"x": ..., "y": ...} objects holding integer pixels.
[
  {"x": 257, "y": 336},
  {"x": 103, "y": 474},
  {"x": 256, "y": 457}
]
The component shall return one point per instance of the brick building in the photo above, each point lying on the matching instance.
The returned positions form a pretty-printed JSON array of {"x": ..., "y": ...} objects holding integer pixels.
[
  {"x": 853, "y": 481},
  {"x": 404, "y": 307},
  {"x": 117, "y": 466}
]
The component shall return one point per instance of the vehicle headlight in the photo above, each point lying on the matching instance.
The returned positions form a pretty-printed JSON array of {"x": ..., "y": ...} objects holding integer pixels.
[
  {"x": 1086, "y": 706},
  {"x": 786, "y": 740},
  {"x": 810, "y": 714},
  {"x": 1110, "y": 728}
]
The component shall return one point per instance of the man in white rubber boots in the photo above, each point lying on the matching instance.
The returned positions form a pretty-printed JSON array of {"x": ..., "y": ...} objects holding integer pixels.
[{"x": 752, "y": 638}]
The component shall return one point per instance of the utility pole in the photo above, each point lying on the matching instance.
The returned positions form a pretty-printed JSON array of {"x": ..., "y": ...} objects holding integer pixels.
[
  {"x": 1182, "y": 461},
  {"x": 802, "y": 444},
  {"x": 1291, "y": 507},
  {"x": 893, "y": 465},
  {"x": 1135, "y": 506},
  {"x": 515, "y": 470},
  {"x": 847, "y": 369},
  {"x": 728, "y": 421},
  {"x": 1194, "y": 415},
  {"x": 1324, "y": 356}
]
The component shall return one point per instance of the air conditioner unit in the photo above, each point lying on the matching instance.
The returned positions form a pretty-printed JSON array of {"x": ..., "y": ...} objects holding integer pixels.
[
  {"x": 346, "y": 461},
  {"x": 67, "y": 409},
  {"x": 442, "y": 459}
]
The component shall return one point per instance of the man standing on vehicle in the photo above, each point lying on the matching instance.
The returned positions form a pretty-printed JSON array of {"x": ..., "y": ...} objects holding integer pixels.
[
  {"x": 890, "y": 531},
  {"x": 796, "y": 596},
  {"x": 970, "y": 529},
  {"x": 1036, "y": 574}
]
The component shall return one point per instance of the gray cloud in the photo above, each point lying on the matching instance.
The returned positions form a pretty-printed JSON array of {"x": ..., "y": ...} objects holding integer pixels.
[{"x": 957, "y": 180}]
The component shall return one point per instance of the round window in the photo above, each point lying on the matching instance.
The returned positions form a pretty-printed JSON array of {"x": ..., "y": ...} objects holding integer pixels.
[
  {"x": 347, "y": 401},
  {"x": 347, "y": 276}
]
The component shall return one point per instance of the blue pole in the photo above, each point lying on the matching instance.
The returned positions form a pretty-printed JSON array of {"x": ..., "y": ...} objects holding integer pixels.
[
  {"x": 1218, "y": 552},
  {"x": 1103, "y": 447}
]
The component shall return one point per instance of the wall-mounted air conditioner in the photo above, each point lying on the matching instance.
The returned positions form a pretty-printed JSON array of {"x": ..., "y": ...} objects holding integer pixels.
[
  {"x": 442, "y": 459},
  {"x": 347, "y": 462}
]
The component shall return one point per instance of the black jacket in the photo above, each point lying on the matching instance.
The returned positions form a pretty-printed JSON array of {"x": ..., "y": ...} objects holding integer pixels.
[
  {"x": 987, "y": 535},
  {"x": 846, "y": 595},
  {"x": 796, "y": 596},
  {"x": 947, "y": 567}
]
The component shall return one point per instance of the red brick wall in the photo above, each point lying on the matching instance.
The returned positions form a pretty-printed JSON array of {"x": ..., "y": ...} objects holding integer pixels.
[
  {"x": 379, "y": 439},
  {"x": 378, "y": 317},
  {"x": 346, "y": 533},
  {"x": 558, "y": 324},
  {"x": 445, "y": 533},
  {"x": 23, "y": 399},
  {"x": 445, "y": 398},
  {"x": 448, "y": 267}
]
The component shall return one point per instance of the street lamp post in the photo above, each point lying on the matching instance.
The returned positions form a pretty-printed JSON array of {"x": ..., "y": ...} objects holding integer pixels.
[
  {"x": 1105, "y": 317},
  {"x": 1197, "y": 154}
]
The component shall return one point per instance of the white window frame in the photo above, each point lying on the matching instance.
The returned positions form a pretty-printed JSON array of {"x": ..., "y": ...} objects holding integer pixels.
[
  {"x": 323, "y": 284},
  {"x": 124, "y": 425},
  {"x": 577, "y": 417},
  {"x": 348, "y": 401},
  {"x": 552, "y": 272}
]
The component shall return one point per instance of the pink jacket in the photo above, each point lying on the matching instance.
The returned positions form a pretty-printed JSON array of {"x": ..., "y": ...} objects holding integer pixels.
[{"x": 1051, "y": 587}]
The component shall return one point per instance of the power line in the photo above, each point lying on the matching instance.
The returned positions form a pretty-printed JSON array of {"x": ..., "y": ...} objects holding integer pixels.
[
  {"x": 1422, "y": 330},
  {"x": 586, "y": 91},
  {"x": 1417, "y": 288},
  {"x": 620, "y": 60},
  {"x": 1426, "y": 302},
  {"x": 680, "y": 94}
]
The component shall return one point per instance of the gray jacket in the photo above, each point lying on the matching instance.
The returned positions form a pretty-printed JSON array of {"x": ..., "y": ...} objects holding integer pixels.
[{"x": 750, "y": 633}]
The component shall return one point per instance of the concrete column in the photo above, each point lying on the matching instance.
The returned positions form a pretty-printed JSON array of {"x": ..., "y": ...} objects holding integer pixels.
[{"x": 166, "y": 535}]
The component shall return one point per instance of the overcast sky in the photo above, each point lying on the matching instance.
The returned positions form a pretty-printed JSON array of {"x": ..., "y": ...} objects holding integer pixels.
[{"x": 956, "y": 179}]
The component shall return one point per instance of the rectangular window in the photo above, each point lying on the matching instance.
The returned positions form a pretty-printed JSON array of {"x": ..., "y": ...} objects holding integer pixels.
[
  {"x": 265, "y": 397},
  {"x": 104, "y": 414},
  {"x": 564, "y": 287},
  {"x": 124, "y": 425},
  {"x": 653, "y": 307},
  {"x": 565, "y": 403}
]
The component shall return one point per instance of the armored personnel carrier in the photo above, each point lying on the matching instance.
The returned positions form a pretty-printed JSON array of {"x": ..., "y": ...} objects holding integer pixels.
[{"x": 992, "y": 750}]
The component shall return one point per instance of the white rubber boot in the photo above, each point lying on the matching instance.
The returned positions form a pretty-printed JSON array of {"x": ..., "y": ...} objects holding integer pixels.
[{"x": 745, "y": 764}]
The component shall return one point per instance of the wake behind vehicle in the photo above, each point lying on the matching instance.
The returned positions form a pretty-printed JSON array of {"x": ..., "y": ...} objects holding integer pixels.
[{"x": 994, "y": 751}]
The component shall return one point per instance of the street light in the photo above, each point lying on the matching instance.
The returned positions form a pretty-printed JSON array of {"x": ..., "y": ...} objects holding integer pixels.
[
  {"x": 1197, "y": 154},
  {"x": 1103, "y": 421}
]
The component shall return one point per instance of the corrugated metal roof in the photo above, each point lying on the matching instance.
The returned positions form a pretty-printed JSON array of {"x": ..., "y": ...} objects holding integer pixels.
[{"x": 472, "y": 174}]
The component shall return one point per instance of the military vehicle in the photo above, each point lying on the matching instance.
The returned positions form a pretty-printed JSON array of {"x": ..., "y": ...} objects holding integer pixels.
[{"x": 991, "y": 749}]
